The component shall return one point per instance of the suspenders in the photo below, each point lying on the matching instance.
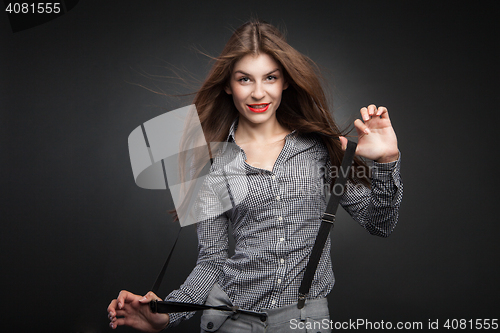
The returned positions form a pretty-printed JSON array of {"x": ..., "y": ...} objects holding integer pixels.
[{"x": 327, "y": 222}]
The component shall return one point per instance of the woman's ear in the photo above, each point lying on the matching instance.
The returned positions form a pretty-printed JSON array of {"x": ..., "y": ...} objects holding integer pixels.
[
  {"x": 228, "y": 90},
  {"x": 285, "y": 85}
]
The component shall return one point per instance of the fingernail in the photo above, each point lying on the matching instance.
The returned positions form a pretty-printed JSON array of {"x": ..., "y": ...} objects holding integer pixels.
[
  {"x": 120, "y": 305},
  {"x": 367, "y": 131},
  {"x": 366, "y": 117}
]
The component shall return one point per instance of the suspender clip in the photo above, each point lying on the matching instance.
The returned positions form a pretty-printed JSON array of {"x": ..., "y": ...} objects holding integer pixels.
[
  {"x": 328, "y": 218},
  {"x": 302, "y": 301}
]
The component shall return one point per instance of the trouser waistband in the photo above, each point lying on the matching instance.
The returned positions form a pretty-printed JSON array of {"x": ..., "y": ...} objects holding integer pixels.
[{"x": 315, "y": 308}]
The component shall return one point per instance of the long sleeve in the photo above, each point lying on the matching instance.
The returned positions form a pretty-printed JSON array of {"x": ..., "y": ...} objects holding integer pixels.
[
  {"x": 376, "y": 209},
  {"x": 212, "y": 253}
]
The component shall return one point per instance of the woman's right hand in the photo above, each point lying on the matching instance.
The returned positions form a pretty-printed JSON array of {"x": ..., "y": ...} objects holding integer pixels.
[{"x": 133, "y": 310}]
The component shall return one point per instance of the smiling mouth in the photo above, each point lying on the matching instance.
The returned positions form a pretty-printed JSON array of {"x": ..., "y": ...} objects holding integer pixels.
[{"x": 258, "y": 108}]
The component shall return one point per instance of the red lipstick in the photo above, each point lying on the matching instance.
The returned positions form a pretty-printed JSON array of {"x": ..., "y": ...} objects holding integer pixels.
[{"x": 258, "y": 108}]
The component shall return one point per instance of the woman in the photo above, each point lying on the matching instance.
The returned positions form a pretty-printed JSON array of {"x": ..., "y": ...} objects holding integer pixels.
[{"x": 266, "y": 98}]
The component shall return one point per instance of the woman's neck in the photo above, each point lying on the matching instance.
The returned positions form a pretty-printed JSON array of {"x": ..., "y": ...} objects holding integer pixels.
[{"x": 266, "y": 132}]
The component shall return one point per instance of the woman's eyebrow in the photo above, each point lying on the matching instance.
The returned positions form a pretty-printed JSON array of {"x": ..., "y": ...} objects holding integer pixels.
[
  {"x": 271, "y": 72},
  {"x": 241, "y": 72}
]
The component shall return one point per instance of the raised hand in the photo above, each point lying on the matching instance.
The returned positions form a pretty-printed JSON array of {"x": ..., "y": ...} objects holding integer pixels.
[{"x": 376, "y": 137}]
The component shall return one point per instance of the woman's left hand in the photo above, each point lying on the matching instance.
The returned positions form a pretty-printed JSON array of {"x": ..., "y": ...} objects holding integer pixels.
[{"x": 376, "y": 138}]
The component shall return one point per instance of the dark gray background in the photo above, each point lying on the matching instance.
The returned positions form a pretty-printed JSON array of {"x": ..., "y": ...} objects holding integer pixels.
[{"x": 76, "y": 229}]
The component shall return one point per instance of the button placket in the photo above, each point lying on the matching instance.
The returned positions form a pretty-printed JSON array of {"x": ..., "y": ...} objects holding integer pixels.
[{"x": 281, "y": 251}]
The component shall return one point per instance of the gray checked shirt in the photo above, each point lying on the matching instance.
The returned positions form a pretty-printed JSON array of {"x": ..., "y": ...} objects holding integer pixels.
[{"x": 274, "y": 217}]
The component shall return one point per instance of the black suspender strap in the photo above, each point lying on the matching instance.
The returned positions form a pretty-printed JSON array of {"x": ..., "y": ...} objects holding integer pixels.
[
  {"x": 172, "y": 307},
  {"x": 326, "y": 223},
  {"x": 159, "y": 279}
]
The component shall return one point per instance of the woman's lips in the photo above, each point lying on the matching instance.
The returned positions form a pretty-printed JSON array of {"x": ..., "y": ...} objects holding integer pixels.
[{"x": 258, "y": 108}]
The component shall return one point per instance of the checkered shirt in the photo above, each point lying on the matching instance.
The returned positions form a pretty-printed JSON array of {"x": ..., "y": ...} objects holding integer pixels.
[{"x": 274, "y": 221}]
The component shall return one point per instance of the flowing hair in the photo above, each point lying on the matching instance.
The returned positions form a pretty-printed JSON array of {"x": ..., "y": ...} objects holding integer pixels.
[{"x": 303, "y": 107}]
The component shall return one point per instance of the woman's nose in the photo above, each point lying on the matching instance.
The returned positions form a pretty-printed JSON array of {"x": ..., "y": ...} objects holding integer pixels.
[{"x": 258, "y": 91}]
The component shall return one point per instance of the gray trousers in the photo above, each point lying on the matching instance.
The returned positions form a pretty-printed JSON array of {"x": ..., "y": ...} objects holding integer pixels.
[{"x": 313, "y": 317}]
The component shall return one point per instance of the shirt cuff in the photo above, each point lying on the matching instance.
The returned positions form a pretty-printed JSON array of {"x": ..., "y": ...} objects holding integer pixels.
[
  {"x": 388, "y": 175},
  {"x": 175, "y": 319},
  {"x": 386, "y": 170}
]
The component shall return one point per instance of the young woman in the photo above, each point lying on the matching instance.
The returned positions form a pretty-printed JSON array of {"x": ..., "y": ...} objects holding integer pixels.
[{"x": 267, "y": 99}]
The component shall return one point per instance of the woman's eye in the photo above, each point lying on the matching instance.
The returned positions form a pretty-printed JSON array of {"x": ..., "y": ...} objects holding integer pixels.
[
  {"x": 244, "y": 79},
  {"x": 271, "y": 78}
]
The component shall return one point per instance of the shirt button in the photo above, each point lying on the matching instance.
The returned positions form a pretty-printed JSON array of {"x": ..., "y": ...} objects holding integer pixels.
[
  {"x": 273, "y": 302},
  {"x": 282, "y": 239},
  {"x": 282, "y": 260},
  {"x": 273, "y": 177},
  {"x": 280, "y": 218},
  {"x": 279, "y": 281},
  {"x": 278, "y": 198}
]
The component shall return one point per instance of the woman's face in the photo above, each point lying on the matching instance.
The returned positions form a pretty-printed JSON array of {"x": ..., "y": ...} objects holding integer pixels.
[{"x": 256, "y": 84}]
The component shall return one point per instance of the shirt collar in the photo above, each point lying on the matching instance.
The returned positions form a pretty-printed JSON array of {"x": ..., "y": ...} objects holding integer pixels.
[
  {"x": 234, "y": 126},
  {"x": 232, "y": 130}
]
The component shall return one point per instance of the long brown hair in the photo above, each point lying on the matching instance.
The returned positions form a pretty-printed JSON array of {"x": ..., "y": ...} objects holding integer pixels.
[{"x": 303, "y": 107}]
